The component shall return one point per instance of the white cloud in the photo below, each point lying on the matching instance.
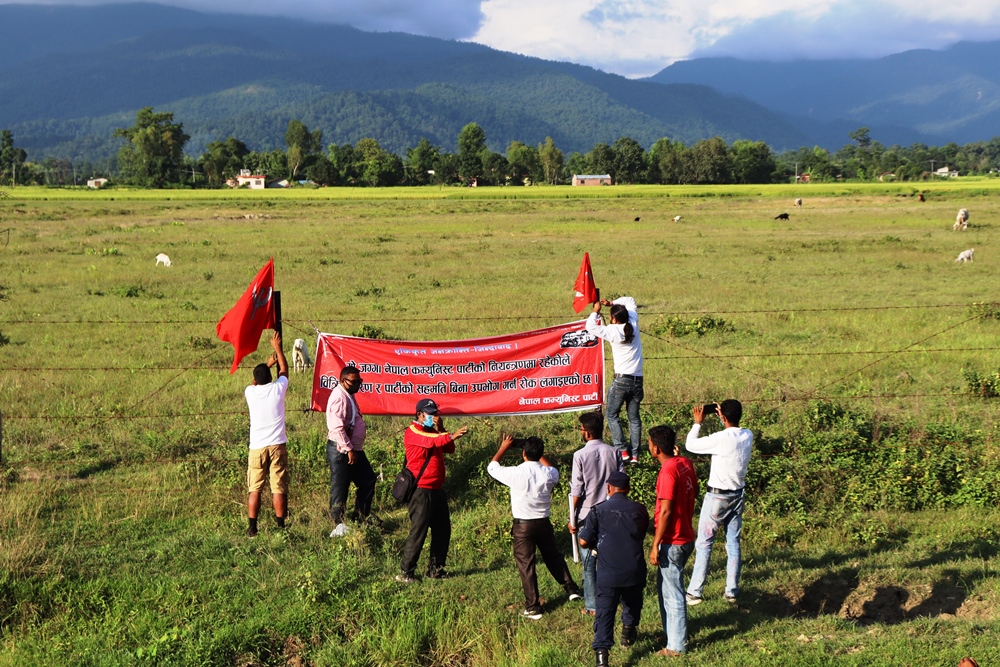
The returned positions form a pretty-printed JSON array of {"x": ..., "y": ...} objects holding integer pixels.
[{"x": 639, "y": 37}]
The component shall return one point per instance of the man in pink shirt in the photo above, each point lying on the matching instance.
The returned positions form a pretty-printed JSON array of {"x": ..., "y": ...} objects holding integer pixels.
[{"x": 345, "y": 452}]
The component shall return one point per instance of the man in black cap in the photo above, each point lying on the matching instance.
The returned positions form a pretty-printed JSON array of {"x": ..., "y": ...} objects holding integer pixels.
[
  {"x": 616, "y": 529},
  {"x": 426, "y": 443}
]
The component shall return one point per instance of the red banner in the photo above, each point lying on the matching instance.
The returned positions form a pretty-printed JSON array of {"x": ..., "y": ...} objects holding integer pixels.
[{"x": 558, "y": 369}]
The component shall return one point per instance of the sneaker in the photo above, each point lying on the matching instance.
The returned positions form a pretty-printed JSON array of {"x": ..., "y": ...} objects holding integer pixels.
[
  {"x": 575, "y": 595},
  {"x": 405, "y": 578},
  {"x": 340, "y": 530},
  {"x": 731, "y": 599},
  {"x": 634, "y": 460},
  {"x": 626, "y": 457},
  {"x": 692, "y": 600},
  {"x": 533, "y": 614}
]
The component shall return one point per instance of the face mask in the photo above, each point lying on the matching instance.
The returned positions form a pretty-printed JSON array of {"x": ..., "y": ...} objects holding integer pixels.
[{"x": 429, "y": 421}]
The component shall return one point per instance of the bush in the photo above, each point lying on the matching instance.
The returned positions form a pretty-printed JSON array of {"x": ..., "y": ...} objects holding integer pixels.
[
  {"x": 372, "y": 331},
  {"x": 677, "y": 327},
  {"x": 982, "y": 385}
]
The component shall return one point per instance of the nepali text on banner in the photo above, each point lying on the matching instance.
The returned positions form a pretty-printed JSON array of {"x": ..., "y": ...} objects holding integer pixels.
[{"x": 557, "y": 369}]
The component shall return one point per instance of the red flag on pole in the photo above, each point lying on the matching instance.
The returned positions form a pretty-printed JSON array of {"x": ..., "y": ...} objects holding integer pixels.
[
  {"x": 586, "y": 291},
  {"x": 253, "y": 313}
]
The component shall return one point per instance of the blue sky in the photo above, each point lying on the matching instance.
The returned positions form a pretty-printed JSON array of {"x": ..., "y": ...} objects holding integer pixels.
[{"x": 640, "y": 37}]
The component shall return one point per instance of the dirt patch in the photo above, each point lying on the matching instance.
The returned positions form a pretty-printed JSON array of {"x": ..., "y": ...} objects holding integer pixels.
[
  {"x": 978, "y": 609},
  {"x": 292, "y": 652}
]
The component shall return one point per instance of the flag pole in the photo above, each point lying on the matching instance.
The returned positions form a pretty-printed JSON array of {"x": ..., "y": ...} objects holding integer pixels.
[{"x": 277, "y": 312}]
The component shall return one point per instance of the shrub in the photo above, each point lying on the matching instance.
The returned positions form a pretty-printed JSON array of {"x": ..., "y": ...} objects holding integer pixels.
[
  {"x": 987, "y": 310},
  {"x": 372, "y": 331},
  {"x": 677, "y": 327},
  {"x": 983, "y": 385}
]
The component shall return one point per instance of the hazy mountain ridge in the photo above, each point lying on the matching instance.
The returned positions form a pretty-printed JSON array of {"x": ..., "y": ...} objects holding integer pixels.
[
  {"x": 948, "y": 96},
  {"x": 70, "y": 75}
]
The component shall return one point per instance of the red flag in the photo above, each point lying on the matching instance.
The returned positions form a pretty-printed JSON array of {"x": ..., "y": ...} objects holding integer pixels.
[
  {"x": 586, "y": 291},
  {"x": 253, "y": 313}
]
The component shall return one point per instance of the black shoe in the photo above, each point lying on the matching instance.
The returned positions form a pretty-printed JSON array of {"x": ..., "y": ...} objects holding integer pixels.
[
  {"x": 573, "y": 592},
  {"x": 602, "y": 657},
  {"x": 438, "y": 574},
  {"x": 628, "y": 635}
]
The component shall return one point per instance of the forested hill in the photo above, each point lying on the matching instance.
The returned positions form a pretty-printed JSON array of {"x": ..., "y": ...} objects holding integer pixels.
[
  {"x": 70, "y": 75},
  {"x": 948, "y": 96}
]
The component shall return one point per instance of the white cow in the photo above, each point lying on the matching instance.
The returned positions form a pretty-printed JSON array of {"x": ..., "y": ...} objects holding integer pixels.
[
  {"x": 961, "y": 220},
  {"x": 677, "y": 218},
  {"x": 965, "y": 255},
  {"x": 798, "y": 202},
  {"x": 300, "y": 355},
  {"x": 163, "y": 259}
]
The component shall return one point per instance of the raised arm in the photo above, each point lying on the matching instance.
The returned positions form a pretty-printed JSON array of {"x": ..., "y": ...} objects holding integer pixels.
[{"x": 278, "y": 356}]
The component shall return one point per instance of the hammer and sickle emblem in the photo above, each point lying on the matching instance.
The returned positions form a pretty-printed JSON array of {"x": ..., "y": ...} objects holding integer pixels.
[{"x": 259, "y": 300}]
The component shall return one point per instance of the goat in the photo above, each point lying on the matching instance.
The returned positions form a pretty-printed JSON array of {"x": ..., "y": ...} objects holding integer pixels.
[
  {"x": 961, "y": 220},
  {"x": 781, "y": 216},
  {"x": 677, "y": 218},
  {"x": 965, "y": 255},
  {"x": 798, "y": 202},
  {"x": 163, "y": 259},
  {"x": 300, "y": 355}
]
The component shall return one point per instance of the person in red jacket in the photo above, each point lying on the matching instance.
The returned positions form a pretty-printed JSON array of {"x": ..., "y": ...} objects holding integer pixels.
[{"x": 426, "y": 443}]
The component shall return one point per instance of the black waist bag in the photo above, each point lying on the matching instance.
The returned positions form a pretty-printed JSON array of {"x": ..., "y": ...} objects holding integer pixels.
[{"x": 406, "y": 483}]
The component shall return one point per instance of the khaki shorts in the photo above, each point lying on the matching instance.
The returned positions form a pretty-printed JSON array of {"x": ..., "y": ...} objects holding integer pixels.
[{"x": 273, "y": 460}]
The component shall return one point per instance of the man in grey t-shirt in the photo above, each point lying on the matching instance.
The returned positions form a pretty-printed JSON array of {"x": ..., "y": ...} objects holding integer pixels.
[{"x": 592, "y": 465}]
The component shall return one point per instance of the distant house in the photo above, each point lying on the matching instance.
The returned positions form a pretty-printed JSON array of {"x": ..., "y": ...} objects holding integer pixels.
[
  {"x": 97, "y": 183},
  {"x": 591, "y": 179},
  {"x": 249, "y": 180},
  {"x": 946, "y": 172}
]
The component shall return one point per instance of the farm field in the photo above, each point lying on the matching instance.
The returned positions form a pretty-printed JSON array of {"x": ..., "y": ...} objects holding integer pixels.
[{"x": 863, "y": 354}]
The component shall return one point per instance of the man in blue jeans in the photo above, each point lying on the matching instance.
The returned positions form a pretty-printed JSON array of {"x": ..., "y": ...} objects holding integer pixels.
[
  {"x": 673, "y": 539},
  {"x": 592, "y": 466},
  {"x": 722, "y": 508},
  {"x": 622, "y": 333}
]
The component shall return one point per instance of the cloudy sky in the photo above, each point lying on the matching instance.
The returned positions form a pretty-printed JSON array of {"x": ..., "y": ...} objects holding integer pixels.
[{"x": 640, "y": 37}]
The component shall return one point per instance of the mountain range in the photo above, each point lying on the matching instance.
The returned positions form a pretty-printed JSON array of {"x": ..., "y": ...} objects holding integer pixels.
[
  {"x": 951, "y": 95},
  {"x": 70, "y": 75}
]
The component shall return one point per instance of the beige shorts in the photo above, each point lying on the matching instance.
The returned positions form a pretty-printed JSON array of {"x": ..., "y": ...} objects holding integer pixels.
[{"x": 271, "y": 461}]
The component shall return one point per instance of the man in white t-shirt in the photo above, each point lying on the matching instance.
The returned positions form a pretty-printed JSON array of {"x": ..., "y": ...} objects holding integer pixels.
[
  {"x": 531, "y": 502},
  {"x": 268, "y": 456}
]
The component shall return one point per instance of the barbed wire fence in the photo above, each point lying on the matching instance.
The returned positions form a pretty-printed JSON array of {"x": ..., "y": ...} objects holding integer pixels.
[{"x": 786, "y": 391}]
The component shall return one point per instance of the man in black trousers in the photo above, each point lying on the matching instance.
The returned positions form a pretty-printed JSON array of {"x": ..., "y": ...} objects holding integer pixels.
[
  {"x": 616, "y": 528},
  {"x": 531, "y": 503}
]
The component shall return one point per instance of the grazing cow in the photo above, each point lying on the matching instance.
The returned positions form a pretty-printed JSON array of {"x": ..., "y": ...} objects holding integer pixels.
[
  {"x": 637, "y": 219},
  {"x": 300, "y": 355},
  {"x": 781, "y": 216},
  {"x": 965, "y": 255},
  {"x": 677, "y": 218},
  {"x": 798, "y": 202},
  {"x": 961, "y": 220},
  {"x": 163, "y": 259},
  {"x": 920, "y": 197}
]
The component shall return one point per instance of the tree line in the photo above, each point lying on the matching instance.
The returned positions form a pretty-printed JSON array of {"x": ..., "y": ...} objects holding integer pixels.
[{"x": 153, "y": 156}]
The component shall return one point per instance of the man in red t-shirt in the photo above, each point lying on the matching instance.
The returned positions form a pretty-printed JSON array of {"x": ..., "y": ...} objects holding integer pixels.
[
  {"x": 673, "y": 541},
  {"x": 426, "y": 443}
]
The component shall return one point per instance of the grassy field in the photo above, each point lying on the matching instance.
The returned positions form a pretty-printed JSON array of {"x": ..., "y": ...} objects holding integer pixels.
[{"x": 849, "y": 332}]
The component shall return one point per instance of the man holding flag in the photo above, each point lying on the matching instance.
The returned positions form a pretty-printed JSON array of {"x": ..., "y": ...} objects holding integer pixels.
[{"x": 242, "y": 326}]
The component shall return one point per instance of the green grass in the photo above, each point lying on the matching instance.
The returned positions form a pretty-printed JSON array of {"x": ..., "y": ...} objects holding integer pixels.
[{"x": 121, "y": 538}]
